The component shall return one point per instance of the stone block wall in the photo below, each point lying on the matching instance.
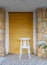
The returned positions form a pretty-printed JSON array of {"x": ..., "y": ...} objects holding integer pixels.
[
  {"x": 41, "y": 24},
  {"x": 41, "y": 27},
  {"x": 2, "y": 32}
]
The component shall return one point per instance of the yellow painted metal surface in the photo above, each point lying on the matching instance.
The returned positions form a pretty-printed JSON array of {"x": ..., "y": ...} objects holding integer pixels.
[{"x": 20, "y": 25}]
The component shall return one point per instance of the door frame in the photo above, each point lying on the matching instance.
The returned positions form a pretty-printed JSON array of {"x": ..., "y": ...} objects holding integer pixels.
[{"x": 7, "y": 33}]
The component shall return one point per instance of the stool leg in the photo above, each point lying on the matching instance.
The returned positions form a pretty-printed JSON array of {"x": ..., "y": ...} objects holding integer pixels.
[
  {"x": 29, "y": 52},
  {"x": 20, "y": 53}
]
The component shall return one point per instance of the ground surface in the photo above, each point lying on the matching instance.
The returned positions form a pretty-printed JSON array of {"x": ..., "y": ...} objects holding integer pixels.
[{"x": 14, "y": 60}]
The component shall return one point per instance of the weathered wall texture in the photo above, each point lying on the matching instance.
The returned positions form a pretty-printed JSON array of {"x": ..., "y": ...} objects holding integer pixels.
[
  {"x": 2, "y": 32},
  {"x": 41, "y": 24},
  {"x": 41, "y": 27}
]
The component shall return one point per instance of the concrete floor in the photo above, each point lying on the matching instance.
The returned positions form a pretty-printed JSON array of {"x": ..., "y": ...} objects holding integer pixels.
[{"x": 13, "y": 59}]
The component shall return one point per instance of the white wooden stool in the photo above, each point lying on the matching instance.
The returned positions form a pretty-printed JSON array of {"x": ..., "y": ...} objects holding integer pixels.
[{"x": 24, "y": 44}]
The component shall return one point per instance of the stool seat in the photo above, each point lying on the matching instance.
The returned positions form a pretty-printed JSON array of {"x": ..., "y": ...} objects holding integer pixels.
[{"x": 25, "y": 47}]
